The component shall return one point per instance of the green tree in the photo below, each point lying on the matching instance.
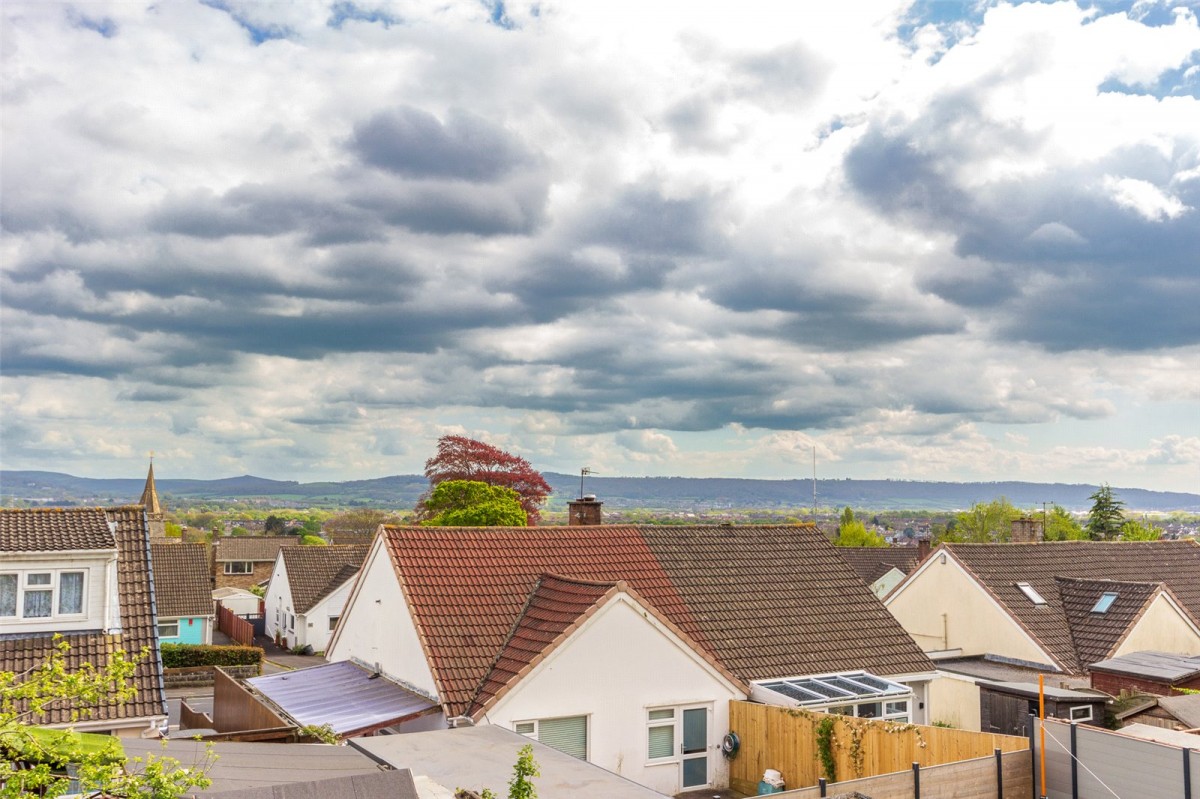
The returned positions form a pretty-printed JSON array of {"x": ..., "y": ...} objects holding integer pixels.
[
  {"x": 1107, "y": 514},
  {"x": 853, "y": 533},
  {"x": 275, "y": 525},
  {"x": 1134, "y": 530},
  {"x": 984, "y": 522},
  {"x": 33, "y": 759},
  {"x": 1062, "y": 526},
  {"x": 359, "y": 520},
  {"x": 521, "y": 785},
  {"x": 470, "y": 503}
]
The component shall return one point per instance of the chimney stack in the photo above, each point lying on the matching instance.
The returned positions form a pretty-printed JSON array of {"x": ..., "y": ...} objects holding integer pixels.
[
  {"x": 924, "y": 547},
  {"x": 1027, "y": 531},
  {"x": 584, "y": 511}
]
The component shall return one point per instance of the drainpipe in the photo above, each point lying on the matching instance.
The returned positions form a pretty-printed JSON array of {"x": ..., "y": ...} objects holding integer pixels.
[{"x": 945, "y": 631}]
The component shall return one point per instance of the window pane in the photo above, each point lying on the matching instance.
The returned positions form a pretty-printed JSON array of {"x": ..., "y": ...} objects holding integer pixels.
[
  {"x": 70, "y": 592},
  {"x": 37, "y": 604},
  {"x": 662, "y": 741},
  {"x": 566, "y": 735},
  {"x": 41, "y": 578},
  {"x": 333, "y": 620},
  {"x": 660, "y": 715},
  {"x": 8, "y": 595},
  {"x": 168, "y": 629},
  {"x": 869, "y": 710},
  {"x": 525, "y": 727},
  {"x": 695, "y": 772},
  {"x": 896, "y": 707}
]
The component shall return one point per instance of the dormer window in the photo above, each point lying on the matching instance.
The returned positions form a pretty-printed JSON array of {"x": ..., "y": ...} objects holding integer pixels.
[
  {"x": 41, "y": 594},
  {"x": 1104, "y": 602},
  {"x": 1031, "y": 593}
]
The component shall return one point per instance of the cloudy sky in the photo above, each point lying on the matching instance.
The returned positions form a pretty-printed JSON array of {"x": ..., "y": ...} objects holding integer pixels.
[{"x": 931, "y": 240}]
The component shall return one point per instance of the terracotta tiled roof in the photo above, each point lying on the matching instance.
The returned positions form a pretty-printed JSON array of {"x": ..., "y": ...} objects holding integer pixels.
[
  {"x": 138, "y": 626},
  {"x": 54, "y": 529},
  {"x": 252, "y": 547},
  {"x": 762, "y": 601},
  {"x": 871, "y": 563},
  {"x": 182, "y": 580},
  {"x": 314, "y": 572},
  {"x": 1097, "y": 634},
  {"x": 999, "y": 567}
]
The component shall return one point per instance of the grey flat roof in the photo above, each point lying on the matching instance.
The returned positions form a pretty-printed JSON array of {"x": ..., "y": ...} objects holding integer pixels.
[
  {"x": 1030, "y": 689},
  {"x": 343, "y": 695},
  {"x": 1184, "y": 740},
  {"x": 483, "y": 757},
  {"x": 257, "y": 765},
  {"x": 383, "y": 785},
  {"x": 1156, "y": 665}
]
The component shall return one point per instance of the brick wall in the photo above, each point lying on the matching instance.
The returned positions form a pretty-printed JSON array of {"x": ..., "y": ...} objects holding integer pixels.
[
  {"x": 262, "y": 572},
  {"x": 1114, "y": 684}
]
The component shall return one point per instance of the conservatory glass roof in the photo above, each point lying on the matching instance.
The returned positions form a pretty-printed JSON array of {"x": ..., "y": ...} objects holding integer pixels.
[{"x": 824, "y": 689}]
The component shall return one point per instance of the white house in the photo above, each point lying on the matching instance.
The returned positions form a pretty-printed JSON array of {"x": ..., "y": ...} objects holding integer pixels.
[
  {"x": 308, "y": 589},
  {"x": 83, "y": 573},
  {"x": 621, "y": 645}
]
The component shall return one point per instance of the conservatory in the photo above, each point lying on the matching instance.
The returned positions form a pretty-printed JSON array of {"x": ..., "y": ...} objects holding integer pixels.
[{"x": 852, "y": 693}]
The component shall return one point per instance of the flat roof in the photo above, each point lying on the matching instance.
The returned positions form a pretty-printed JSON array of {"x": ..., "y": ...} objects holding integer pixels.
[
  {"x": 483, "y": 757},
  {"x": 242, "y": 766},
  {"x": 1030, "y": 689},
  {"x": 1147, "y": 732},
  {"x": 1163, "y": 666},
  {"x": 344, "y": 695}
]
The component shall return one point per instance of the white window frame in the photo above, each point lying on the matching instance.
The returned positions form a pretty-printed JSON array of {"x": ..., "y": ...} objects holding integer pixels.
[
  {"x": 229, "y": 564},
  {"x": 16, "y": 614},
  {"x": 333, "y": 622},
  {"x": 536, "y": 731},
  {"x": 1080, "y": 717},
  {"x": 673, "y": 722},
  {"x": 162, "y": 623},
  {"x": 1031, "y": 593},
  {"x": 54, "y": 588}
]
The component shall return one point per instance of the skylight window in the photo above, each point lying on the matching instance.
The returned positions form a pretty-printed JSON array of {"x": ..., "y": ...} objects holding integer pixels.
[
  {"x": 1104, "y": 602},
  {"x": 1029, "y": 591}
]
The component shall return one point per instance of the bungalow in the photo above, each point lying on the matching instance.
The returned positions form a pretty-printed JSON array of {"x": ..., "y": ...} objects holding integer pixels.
[
  {"x": 243, "y": 561},
  {"x": 83, "y": 573},
  {"x": 621, "y": 645},
  {"x": 182, "y": 592},
  {"x": 882, "y": 568},
  {"x": 1055, "y": 607},
  {"x": 307, "y": 592}
]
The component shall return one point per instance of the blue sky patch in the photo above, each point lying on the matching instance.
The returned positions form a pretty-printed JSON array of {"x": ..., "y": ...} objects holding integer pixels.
[
  {"x": 105, "y": 26},
  {"x": 258, "y": 33},
  {"x": 340, "y": 12}
]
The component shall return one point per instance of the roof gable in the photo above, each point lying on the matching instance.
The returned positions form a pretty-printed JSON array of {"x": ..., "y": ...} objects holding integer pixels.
[
  {"x": 315, "y": 572},
  {"x": 1096, "y": 633},
  {"x": 999, "y": 568},
  {"x": 182, "y": 579},
  {"x": 728, "y": 589},
  {"x": 251, "y": 547},
  {"x": 871, "y": 563}
]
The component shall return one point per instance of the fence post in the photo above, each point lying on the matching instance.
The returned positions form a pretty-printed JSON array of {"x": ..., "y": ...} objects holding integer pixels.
[
  {"x": 1187, "y": 774},
  {"x": 821, "y": 785},
  {"x": 1074, "y": 760},
  {"x": 996, "y": 753},
  {"x": 916, "y": 781},
  {"x": 1033, "y": 751}
]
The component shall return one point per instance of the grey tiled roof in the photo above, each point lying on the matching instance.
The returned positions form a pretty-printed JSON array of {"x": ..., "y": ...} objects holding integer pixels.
[
  {"x": 54, "y": 529},
  {"x": 138, "y": 636},
  {"x": 999, "y": 567},
  {"x": 182, "y": 579},
  {"x": 314, "y": 572},
  {"x": 252, "y": 547},
  {"x": 764, "y": 601}
]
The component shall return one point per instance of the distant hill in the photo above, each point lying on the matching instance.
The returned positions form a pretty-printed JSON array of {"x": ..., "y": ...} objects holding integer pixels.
[{"x": 667, "y": 493}]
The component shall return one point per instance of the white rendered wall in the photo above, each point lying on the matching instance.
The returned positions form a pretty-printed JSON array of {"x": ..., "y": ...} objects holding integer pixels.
[
  {"x": 1161, "y": 629},
  {"x": 973, "y": 622},
  {"x": 614, "y": 669},
  {"x": 955, "y": 701},
  {"x": 278, "y": 597},
  {"x": 376, "y": 626},
  {"x": 315, "y": 623}
]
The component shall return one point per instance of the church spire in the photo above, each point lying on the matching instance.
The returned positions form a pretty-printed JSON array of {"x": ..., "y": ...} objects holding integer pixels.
[{"x": 150, "y": 494}]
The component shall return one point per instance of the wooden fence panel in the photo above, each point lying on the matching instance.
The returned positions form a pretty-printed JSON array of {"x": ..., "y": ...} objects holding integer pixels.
[
  {"x": 235, "y": 709},
  {"x": 785, "y": 739},
  {"x": 234, "y": 626},
  {"x": 970, "y": 779}
]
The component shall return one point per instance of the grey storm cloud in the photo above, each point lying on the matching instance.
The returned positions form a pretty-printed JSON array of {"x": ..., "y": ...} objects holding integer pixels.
[{"x": 415, "y": 143}]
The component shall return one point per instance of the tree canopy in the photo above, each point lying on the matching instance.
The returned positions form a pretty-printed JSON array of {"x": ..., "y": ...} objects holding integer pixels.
[
  {"x": 1134, "y": 530},
  {"x": 984, "y": 522},
  {"x": 1107, "y": 514},
  {"x": 34, "y": 760},
  {"x": 1062, "y": 526},
  {"x": 853, "y": 533},
  {"x": 462, "y": 458},
  {"x": 471, "y": 503}
]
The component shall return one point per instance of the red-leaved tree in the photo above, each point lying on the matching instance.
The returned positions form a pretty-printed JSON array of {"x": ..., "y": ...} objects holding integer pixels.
[{"x": 462, "y": 458}]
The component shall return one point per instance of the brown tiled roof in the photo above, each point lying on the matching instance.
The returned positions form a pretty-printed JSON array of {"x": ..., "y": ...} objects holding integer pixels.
[
  {"x": 762, "y": 601},
  {"x": 138, "y": 628},
  {"x": 999, "y": 567},
  {"x": 314, "y": 572},
  {"x": 252, "y": 547},
  {"x": 54, "y": 529},
  {"x": 1097, "y": 634},
  {"x": 351, "y": 539},
  {"x": 871, "y": 563},
  {"x": 182, "y": 580}
]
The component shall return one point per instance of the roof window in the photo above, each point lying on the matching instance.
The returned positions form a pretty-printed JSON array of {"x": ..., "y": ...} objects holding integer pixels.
[
  {"x": 1029, "y": 591},
  {"x": 1104, "y": 602}
]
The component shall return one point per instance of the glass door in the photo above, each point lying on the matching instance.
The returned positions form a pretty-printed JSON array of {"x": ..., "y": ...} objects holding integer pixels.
[{"x": 694, "y": 749}]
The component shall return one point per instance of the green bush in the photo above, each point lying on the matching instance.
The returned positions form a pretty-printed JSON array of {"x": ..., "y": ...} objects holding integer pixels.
[{"x": 181, "y": 656}]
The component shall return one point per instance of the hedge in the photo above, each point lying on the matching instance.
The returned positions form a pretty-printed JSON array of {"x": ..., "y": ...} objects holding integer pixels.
[{"x": 181, "y": 656}]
